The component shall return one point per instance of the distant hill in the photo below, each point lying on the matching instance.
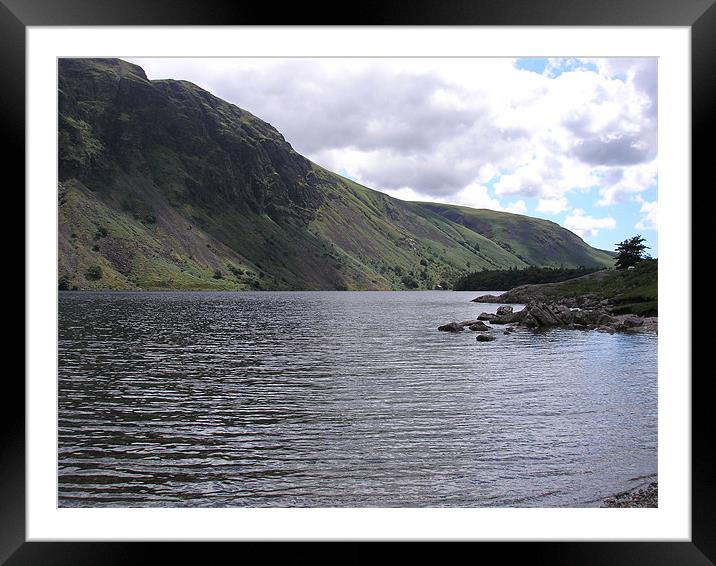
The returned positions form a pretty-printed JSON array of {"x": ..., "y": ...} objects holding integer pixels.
[
  {"x": 165, "y": 186},
  {"x": 533, "y": 240}
]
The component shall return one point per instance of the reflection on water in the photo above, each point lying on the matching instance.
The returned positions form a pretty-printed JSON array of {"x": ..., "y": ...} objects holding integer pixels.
[{"x": 330, "y": 399}]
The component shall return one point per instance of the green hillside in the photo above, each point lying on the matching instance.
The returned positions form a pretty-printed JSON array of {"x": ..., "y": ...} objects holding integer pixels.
[
  {"x": 165, "y": 186},
  {"x": 534, "y": 240},
  {"x": 625, "y": 290}
]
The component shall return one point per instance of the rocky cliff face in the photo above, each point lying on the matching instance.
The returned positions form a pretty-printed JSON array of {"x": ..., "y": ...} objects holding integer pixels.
[
  {"x": 192, "y": 145},
  {"x": 163, "y": 185}
]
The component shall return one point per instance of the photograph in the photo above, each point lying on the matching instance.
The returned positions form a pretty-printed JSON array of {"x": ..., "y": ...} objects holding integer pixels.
[
  {"x": 357, "y": 282},
  {"x": 388, "y": 278}
]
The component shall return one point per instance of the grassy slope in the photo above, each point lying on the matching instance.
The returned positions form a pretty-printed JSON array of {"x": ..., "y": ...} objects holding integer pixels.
[
  {"x": 164, "y": 184},
  {"x": 630, "y": 290},
  {"x": 534, "y": 240},
  {"x": 135, "y": 253},
  {"x": 393, "y": 241}
]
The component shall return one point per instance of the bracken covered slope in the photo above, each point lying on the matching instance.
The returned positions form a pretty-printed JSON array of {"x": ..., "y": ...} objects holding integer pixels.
[{"x": 165, "y": 186}]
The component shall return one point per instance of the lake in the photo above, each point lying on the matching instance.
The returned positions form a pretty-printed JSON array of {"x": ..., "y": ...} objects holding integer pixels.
[{"x": 342, "y": 399}]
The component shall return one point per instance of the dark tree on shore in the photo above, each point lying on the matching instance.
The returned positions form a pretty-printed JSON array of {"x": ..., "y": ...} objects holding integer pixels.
[{"x": 630, "y": 252}]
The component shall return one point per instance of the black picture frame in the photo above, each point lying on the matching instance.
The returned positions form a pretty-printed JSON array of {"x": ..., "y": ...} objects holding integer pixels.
[{"x": 17, "y": 15}]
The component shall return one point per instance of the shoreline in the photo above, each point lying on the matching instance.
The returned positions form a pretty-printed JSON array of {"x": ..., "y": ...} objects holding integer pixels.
[{"x": 642, "y": 496}]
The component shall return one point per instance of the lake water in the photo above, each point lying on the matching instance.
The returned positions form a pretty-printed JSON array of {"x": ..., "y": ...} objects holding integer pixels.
[{"x": 342, "y": 399}]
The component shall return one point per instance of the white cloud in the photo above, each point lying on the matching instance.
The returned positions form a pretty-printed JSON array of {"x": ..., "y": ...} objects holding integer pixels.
[
  {"x": 619, "y": 185},
  {"x": 552, "y": 205},
  {"x": 587, "y": 226},
  {"x": 474, "y": 196},
  {"x": 650, "y": 218},
  {"x": 517, "y": 207}
]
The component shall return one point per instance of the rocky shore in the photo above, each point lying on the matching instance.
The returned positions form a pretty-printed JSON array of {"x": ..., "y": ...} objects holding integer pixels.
[
  {"x": 541, "y": 315},
  {"x": 615, "y": 291},
  {"x": 641, "y": 497}
]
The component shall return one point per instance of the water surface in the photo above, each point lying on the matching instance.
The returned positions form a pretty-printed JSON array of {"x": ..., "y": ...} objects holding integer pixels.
[{"x": 332, "y": 399}]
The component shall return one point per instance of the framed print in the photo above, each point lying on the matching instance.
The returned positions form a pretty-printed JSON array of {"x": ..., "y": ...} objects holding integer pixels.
[{"x": 249, "y": 242}]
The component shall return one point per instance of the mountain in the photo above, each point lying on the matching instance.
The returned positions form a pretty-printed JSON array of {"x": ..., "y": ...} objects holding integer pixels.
[
  {"x": 533, "y": 240},
  {"x": 164, "y": 186}
]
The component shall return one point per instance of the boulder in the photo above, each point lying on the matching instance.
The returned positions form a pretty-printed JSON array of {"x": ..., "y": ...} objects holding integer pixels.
[
  {"x": 485, "y": 337},
  {"x": 451, "y": 327},
  {"x": 633, "y": 322},
  {"x": 592, "y": 317},
  {"x": 468, "y": 322},
  {"x": 508, "y": 317},
  {"x": 541, "y": 314},
  {"x": 479, "y": 326},
  {"x": 530, "y": 321},
  {"x": 504, "y": 315},
  {"x": 486, "y": 299}
]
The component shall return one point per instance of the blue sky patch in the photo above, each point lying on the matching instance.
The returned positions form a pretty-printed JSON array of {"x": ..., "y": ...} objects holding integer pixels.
[{"x": 534, "y": 64}]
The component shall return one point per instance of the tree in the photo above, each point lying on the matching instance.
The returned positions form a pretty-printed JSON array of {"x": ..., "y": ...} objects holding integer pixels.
[{"x": 630, "y": 252}]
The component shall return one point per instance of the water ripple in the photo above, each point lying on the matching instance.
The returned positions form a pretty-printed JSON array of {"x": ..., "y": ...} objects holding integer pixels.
[{"x": 341, "y": 399}]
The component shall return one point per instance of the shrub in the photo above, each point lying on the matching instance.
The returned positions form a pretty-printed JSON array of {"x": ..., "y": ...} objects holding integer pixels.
[
  {"x": 100, "y": 233},
  {"x": 237, "y": 271},
  {"x": 409, "y": 282},
  {"x": 94, "y": 273}
]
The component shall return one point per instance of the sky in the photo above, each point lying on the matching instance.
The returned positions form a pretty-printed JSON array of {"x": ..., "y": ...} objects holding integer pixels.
[{"x": 569, "y": 140}]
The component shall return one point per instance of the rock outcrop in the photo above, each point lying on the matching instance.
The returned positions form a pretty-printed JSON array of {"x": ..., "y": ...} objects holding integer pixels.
[
  {"x": 451, "y": 327},
  {"x": 505, "y": 316},
  {"x": 537, "y": 315}
]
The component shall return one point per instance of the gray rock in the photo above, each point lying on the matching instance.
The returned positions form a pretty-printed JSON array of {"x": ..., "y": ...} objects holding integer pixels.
[
  {"x": 592, "y": 317},
  {"x": 479, "y": 326},
  {"x": 489, "y": 316},
  {"x": 541, "y": 314},
  {"x": 451, "y": 327},
  {"x": 509, "y": 317},
  {"x": 486, "y": 299},
  {"x": 468, "y": 322},
  {"x": 504, "y": 310},
  {"x": 485, "y": 337}
]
